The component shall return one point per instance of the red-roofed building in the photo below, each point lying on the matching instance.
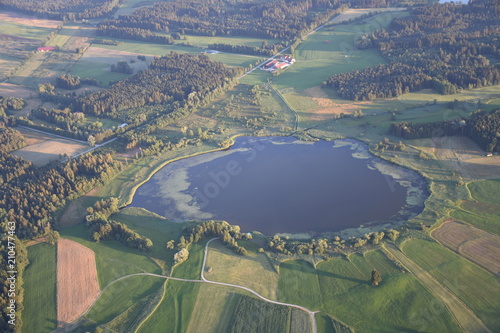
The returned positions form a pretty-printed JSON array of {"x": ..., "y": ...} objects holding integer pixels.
[{"x": 46, "y": 49}]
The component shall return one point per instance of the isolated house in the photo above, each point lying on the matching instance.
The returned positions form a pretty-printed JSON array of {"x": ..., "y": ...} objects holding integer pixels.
[{"x": 46, "y": 49}]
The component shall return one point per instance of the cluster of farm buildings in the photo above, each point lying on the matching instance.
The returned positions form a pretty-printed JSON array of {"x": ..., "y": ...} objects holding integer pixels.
[{"x": 283, "y": 62}]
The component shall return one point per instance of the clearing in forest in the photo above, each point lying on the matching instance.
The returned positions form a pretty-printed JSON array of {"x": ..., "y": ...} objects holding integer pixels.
[{"x": 77, "y": 285}]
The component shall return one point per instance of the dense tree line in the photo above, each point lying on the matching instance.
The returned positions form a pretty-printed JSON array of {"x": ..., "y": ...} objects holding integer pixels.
[
  {"x": 277, "y": 19},
  {"x": 11, "y": 139},
  {"x": 483, "y": 128},
  {"x": 70, "y": 82},
  {"x": 11, "y": 103},
  {"x": 175, "y": 80},
  {"x": 103, "y": 228},
  {"x": 289, "y": 247},
  {"x": 244, "y": 49},
  {"x": 62, "y": 9},
  {"x": 133, "y": 33},
  {"x": 441, "y": 46},
  {"x": 38, "y": 193},
  {"x": 229, "y": 234}
]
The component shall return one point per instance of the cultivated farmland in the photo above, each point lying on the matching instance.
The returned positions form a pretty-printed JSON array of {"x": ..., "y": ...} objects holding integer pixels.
[
  {"x": 77, "y": 285},
  {"x": 474, "y": 244},
  {"x": 253, "y": 271},
  {"x": 43, "y": 147},
  {"x": 477, "y": 288}
]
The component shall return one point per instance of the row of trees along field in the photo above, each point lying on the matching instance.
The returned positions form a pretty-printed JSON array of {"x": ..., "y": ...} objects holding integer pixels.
[
  {"x": 229, "y": 234},
  {"x": 103, "y": 228},
  {"x": 255, "y": 50},
  {"x": 62, "y": 10},
  {"x": 445, "y": 47},
  {"x": 483, "y": 128},
  {"x": 175, "y": 80}
]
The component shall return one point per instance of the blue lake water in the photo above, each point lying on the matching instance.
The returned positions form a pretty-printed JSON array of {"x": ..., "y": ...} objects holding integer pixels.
[{"x": 284, "y": 185}]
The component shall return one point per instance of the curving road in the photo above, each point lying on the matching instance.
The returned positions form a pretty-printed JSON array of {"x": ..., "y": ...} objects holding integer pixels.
[{"x": 203, "y": 280}]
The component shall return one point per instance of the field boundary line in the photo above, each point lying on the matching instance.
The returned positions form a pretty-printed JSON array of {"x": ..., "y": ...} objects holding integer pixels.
[
  {"x": 202, "y": 280},
  {"x": 465, "y": 318}
]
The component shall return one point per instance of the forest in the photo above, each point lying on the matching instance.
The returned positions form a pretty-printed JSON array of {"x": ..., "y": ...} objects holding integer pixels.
[
  {"x": 32, "y": 195},
  {"x": 482, "y": 127},
  {"x": 62, "y": 9},
  {"x": 175, "y": 81},
  {"x": 279, "y": 19},
  {"x": 446, "y": 47},
  {"x": 103, "y": 228}
]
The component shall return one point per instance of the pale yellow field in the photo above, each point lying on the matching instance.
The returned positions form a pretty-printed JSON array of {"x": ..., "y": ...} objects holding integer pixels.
[
  {"x": 43, "y": 148},
  {"x": 253, "y": 271}
]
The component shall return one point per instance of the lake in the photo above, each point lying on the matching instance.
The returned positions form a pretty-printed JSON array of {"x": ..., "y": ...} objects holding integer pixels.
[{"x": 284, "y": 185}]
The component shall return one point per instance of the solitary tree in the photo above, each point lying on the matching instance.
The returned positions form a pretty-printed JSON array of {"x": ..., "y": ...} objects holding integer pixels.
[
  {"x": 91, "y": 140},
  {"x": 376, "y": 278}
]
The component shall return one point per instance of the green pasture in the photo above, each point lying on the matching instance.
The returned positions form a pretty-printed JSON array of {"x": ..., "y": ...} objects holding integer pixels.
[
  {"x": 213, "y": 309},
  {"x": 299, "y": 284},
  {"x": 487, "y": 191},
  {"x": 24, "y": 31},
  {"x": 97, "y": 71},
  {"x": 157, "y": 228},
  {"x": 326, "y": 53},
  {"x": 341, "y": 288},
  {"x": 113, "y": 260},
  {"x": 484, "y": 210},
  {"x": 174, "y": 312},
  {"x": 252, "y": 315},
  {"x": 203, "y": 41},
  {"x": 476, "y": 287},
  {"x": 253, "y": 271},
  {"x": 40, "y": 313},
  {"x": 121, "y": 295}
]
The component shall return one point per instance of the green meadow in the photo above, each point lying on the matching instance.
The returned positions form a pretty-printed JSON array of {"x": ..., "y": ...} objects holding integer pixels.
[
  {"x": 476, "y": 287},
  {"x": 40, "y": 289},
  {"x": 341, "y": 288}
]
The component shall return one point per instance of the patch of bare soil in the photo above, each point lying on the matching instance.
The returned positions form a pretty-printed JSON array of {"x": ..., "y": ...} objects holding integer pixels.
[
  {"x": 474, "y": 244},
  {"x": 31, "y": 20},
  {"x": 13, "y": 90},
  {"x": 77, "y": 285}
]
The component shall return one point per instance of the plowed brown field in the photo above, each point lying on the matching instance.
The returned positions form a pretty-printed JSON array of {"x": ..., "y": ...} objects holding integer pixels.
[
  {"x": 474, "y": 244},
  {"x": 77, "y": 285}
]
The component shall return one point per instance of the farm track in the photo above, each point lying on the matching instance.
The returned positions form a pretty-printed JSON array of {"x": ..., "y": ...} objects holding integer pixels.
[
  {"x": 465, "y": 318},
  {"x": 202, "y": 280}
]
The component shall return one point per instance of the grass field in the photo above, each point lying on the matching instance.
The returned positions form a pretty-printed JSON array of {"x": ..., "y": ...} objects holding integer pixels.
[
  {"x": 122, "y": 295},
  {"x": 156, "y": 228},
  {"x": 39, "y": 314},
  {"x": 253, "y": 315},
  {"x": 474, "y": 244},
  {"x": 299, "y": 284},
  {"x": 213, "y": 310},
  {"x": 253, "y": 271},
  {"x": 344, "y": 285},
  {"x": 325, "y": 53},
  {"x": 113, "y": 259},
  {"x": 174, "y": 312},
  {"x": 476, "y": 287},
  {"x": 483, "y": 211},
  {"x": 19, "y": 30},
  {"x": 203, "y": 41}
]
